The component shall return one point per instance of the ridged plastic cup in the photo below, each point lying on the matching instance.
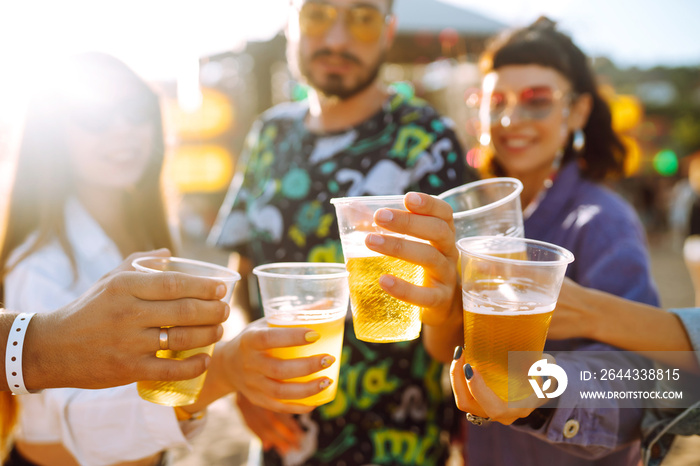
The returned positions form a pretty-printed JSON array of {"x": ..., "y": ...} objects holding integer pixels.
[
  {"x": 488, "y": 207},
  {"x": 510, "y": 287},
  {"x": 377, "y": 316},
  {"x": 308, "y": 295},
  {"x": 181, "y": 392}
]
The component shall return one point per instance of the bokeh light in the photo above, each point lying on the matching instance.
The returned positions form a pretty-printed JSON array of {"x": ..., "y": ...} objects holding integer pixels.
[
  {"x": 448, "y": 37},
  {"x": 476, "y": 157},
  {"x": 200, "y": 168},
  {"x": 666, "y": 162},
  {"x": 633, "y": 161},
  {"x": 627, "y": 112},
  {"x": 214, "y": 116}
]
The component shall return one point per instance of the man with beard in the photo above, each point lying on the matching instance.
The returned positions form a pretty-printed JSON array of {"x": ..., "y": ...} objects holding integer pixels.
[{"x": 351, "y": 137}]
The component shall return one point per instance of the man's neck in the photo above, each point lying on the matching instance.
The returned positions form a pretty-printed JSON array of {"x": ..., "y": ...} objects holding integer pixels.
[{"x": 327, "y": 114}]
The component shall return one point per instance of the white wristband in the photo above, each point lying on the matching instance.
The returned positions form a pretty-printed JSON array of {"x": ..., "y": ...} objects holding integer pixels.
[{"x": 13, "y": 353}]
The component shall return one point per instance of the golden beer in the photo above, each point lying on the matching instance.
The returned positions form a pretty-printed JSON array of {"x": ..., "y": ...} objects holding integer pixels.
[
  {"x": 331, "y": 342},
  {"x": 377, "y": 316},
  {"x": 492, "y": 328},
  {"x": 175, "y": 393}
]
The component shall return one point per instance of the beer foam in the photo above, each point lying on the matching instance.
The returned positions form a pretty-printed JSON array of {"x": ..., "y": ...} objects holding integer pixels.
[
  {"x": 287, "y": 310},
  {"x": 354, "y": 243},
  {"x": 498, "y": 302},
  {"x": 504, "y": 250},
  {"x": 284, "y": 320}
]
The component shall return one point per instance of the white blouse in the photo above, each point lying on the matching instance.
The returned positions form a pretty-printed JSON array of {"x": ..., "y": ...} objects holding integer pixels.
[{"x": 99, "y": 427}]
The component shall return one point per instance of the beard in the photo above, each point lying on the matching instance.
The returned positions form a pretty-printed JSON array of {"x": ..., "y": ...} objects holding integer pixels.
[{"x": 334, "y": 85}]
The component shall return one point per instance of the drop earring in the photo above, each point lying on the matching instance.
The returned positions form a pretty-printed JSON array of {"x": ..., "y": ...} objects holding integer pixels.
[{"x": 579, "y": 141}]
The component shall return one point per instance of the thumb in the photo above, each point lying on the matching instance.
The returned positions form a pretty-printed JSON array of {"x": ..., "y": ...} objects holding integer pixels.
[{"x": 486, "y": 397}]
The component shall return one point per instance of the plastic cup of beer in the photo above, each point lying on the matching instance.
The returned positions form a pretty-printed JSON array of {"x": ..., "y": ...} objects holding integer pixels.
[
  {"x": 181, "y": 392},
  {"x": 377, "y": 316},
  {"x": 510, "y": 287},
  {"x": 488, "y": 207},
  {"x": 308, "y": 295}
]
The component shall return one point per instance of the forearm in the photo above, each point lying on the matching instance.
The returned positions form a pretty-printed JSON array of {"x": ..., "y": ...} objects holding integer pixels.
[
  {"x": 242, "y": 291},
  {"x": 644, "y": 329},
  {"x": 441, "y": 340},
  {"x": 216, "y": 384},
  {"x": 635, "y": 326}
]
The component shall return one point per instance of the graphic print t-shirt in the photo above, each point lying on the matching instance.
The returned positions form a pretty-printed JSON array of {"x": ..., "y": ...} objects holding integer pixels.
[{"x": 390, "y": 407}]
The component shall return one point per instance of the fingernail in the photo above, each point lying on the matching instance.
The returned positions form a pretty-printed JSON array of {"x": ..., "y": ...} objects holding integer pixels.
[
  {"x": 312, "y": 337},
  {"x": 221, "y": 291},
  {"x": 207, "y": 361},
  {"x": 219, "y": 332},
  {"x": 414, "y": 199},
  {"x": 468, "y": 371},
  {"x": 227, "y": 311},
  {"x": 387, "y": 281},
  {"x": 384, "y": 215},
  {"x": 458, "y": 353},
  {"x": 324, "y": 383},
  {"x": 376, "y": 240},
  {"x": 327, "y": 361}
]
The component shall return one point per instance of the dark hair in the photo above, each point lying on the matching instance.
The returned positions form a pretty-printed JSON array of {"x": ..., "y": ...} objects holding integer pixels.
[
  {"x": 542, "y": 44},
  {"x": 42, "y": 180}
]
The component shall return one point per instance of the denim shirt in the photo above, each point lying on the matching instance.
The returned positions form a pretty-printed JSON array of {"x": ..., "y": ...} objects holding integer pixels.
[
  {"x": 609, "y": 246},
  {"x": 659, "y": 426}
]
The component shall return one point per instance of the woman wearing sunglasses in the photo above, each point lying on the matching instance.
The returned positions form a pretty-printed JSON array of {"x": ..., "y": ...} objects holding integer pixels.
[
  {"x": 86, "y": 194},
  {"x": 543, "y": 121}
]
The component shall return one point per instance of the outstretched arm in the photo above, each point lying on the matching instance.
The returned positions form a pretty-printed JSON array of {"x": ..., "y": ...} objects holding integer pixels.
[
  {"x": 629, "y": 325},
  {"x": 113, "y": 330}
]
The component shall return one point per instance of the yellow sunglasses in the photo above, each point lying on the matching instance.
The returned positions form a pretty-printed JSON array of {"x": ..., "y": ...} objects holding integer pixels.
[{"x": 365, "y": 23}]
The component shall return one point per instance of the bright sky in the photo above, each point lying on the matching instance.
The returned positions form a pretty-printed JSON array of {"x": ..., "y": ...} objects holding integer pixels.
[
  {"x": 155, "y": 35},
  {"x": 644, "y": 33},
  {"x": 159, "y": 38}
]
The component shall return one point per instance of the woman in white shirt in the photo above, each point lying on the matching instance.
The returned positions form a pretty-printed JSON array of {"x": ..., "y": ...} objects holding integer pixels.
[{"x": 87, "y": 193}]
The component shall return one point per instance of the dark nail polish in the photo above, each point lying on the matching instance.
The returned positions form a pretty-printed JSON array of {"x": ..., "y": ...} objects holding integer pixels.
[
  {"x": 458, "y": 353},
  {"x": 468, "y": 372}
]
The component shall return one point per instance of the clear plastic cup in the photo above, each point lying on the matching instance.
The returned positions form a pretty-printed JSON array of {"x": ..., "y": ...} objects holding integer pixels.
[
  {"x": 309, "y": 295},
  {"x": 510, "y": 287},
  {"x": 181, "y": 392},
  {"x": 377, "y": 316},
  {"x": 488, "y": 207}
]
